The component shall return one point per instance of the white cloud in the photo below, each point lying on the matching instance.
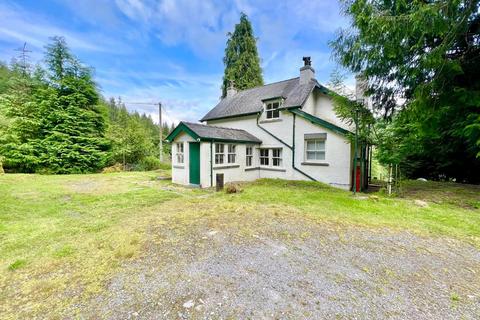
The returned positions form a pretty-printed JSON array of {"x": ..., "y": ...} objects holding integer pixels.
[
  {"x": 19, "y": 26},
  {"x": 185, "y": 96},
  {"x": 287, "y": 30}
]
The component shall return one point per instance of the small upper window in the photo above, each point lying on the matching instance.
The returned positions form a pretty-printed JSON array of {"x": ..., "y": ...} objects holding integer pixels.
[
  {"x": 179, "y": 153},
  {"x": 231, "y": 153},
  {"x": 315, "y": 149},
  {"x": 271, "y": 109},
  {"x": 219, "y": 153}
]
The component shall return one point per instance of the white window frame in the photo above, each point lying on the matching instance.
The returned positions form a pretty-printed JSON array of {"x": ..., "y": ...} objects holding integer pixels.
[
  {"x": 219, "y": 153},
  {"x": 315, "y": 150},
  {"x": 272, "y": 112},
  {"x": 275, "y": 161},
  {"x": 231, "y": 153},
  {"x": 180, "y": 154},
  {"x": 277, "y": 158},
  {"x": 263, "y": 157},
  {"x": 249, "y": 156}
]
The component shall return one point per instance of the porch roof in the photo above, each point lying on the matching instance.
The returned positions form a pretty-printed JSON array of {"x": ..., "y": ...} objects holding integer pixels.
[{"x": 202, "y": 132}]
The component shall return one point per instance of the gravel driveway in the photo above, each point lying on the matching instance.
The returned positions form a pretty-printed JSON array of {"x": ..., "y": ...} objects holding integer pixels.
[{"x": 274, "y": 263}]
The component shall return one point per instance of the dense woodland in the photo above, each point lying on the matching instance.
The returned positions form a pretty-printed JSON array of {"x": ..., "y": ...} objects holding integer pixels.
[
  {"x": 420, "y": 61},
  {"x": 53, "y": 120}
]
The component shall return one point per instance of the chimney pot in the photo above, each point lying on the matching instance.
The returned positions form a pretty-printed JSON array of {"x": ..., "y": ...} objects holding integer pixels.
[
  {"x": 307, "y": 73},
  {"x": 307, "y": 61}
]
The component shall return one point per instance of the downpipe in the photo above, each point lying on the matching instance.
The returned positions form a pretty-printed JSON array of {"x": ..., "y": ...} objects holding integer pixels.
[{"x": 292, "y": 148}]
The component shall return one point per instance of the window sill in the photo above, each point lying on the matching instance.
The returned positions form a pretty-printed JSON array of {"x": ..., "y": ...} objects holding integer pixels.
[
  {"x": 229, "y": 166},
  {"x": 178, "y": 166},
  {"x": 319, "y": 164},
  {"x": 271, "y": 120},
  {"x": 279, "y": 169},
  {"x": 252, "y": 168}
]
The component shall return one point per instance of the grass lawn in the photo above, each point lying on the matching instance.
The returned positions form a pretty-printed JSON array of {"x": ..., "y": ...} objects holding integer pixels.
[{"x": 62, "y": 237}]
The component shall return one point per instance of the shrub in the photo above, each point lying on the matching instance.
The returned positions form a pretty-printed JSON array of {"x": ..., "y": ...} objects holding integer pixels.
[
  {"x": 165, "y": 166},
  {"x": 117, "y": 167},
  {"x": 148, "y": 163},
  {"x": 232, "y": 188}
]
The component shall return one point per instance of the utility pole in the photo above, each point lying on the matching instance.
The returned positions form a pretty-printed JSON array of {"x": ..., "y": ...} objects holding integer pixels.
[
  {"x": 161, "y": 130},
  {"x": 355, "y": 152}
]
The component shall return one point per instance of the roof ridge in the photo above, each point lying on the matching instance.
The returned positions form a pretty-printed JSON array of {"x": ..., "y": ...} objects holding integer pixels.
[
  {"x": 217, "y": 127},
  {"x": 268, "y": 84}
]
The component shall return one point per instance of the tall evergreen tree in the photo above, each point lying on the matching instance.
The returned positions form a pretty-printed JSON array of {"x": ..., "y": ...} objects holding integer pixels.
[
  {"x": 73, "y": 121},
  {"x": 426, "y": 54},
  {"x": 20, "y": 120},
  {"x": 242, "y": 64}
]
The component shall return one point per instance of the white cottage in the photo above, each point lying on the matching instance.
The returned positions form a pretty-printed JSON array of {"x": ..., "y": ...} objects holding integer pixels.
[{"x": 285, "y": 130}]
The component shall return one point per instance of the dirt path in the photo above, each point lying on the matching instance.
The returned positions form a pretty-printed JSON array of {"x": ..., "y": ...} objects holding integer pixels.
[{"x": 270, "y": 263}]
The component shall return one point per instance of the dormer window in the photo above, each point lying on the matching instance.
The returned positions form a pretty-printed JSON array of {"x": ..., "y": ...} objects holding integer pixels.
[{"x": 271, "y": 108}]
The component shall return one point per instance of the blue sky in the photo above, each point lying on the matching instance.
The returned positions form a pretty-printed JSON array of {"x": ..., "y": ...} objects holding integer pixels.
[{"x": 172, "y": 50}]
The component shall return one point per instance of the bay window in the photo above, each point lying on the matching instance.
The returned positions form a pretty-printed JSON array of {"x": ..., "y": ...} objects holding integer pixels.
[
  {"x": 231, "y": 153},
  {"x": 249, "y": 156},
  {"x": 219, "y": 153},
  {"x": 277, "y": 157},
  {"x": 264, "y": 159}
]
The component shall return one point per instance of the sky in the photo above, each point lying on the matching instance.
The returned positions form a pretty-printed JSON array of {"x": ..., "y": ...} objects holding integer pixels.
[{"x": 172, "y": 50}]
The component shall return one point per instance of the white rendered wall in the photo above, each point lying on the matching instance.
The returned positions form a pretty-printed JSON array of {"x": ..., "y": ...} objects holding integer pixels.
[
  {"x": 321, "y": 106},
  {"x": 337, "y": 156},
  {"x": 180, "y": 172},
  {"x": 233, "y": 172},
  {"x": 336, "y": 171}
]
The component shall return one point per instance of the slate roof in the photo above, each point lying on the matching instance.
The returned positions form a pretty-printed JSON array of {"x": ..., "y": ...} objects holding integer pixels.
[
  {"x": 212, "y": 133},
  {"x": 251, "y": 100}
]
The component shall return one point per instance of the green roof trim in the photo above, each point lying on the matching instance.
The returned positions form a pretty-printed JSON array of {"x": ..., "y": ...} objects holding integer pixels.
[
  {"x": 179, "y": 129},
  {"x": 201, "y": 132},
  {"x": 320, "y": 122}
]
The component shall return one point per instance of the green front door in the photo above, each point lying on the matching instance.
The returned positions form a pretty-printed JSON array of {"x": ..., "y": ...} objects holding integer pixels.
[{"x": 194, "y": 162}]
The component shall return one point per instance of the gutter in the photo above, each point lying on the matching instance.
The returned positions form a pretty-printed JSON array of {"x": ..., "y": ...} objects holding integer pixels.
[
  {"x": 292, "y": 148},
  {"x": 271, "y": 134}
]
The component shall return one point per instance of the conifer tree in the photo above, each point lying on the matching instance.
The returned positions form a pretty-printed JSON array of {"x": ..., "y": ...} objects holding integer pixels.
[
  {"x": 19, "y": 121},
  {"x": 73, "y": 120},
  {"x": 242, "y": 64}
]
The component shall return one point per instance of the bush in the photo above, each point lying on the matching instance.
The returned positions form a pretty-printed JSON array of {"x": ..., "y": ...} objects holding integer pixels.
[
  {"x": 232, "y": 188},
  {"x": 148, "y": 163},
  {"x": 117, "y": 167},
  {"x": 165, "y": 166}
]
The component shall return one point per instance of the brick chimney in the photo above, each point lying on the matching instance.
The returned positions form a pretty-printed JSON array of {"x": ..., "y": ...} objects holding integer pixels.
[
  {"x": 231, "y": 90},
  {"x": 307, "y": 73}
]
